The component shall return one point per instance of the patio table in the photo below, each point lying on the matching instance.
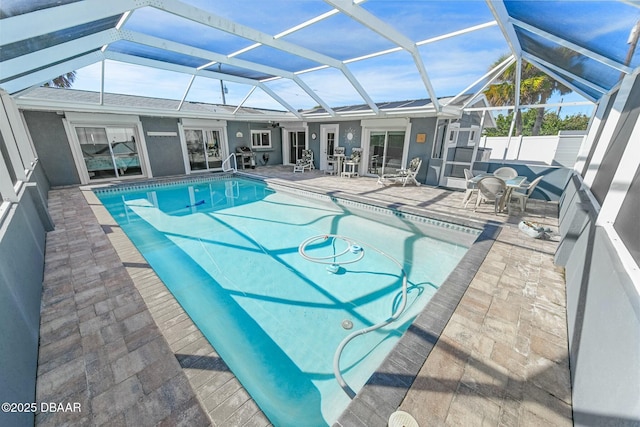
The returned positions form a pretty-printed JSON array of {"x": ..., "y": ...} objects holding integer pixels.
[{"x": 511, "y": 184}]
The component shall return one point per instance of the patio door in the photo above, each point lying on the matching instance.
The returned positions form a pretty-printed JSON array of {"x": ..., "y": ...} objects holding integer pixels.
[
  {"x": 296, "y": 145},
  {"x": 385, "y": 152},
  {"x": 328, "y": 141},
  {"x": 204, "y": 149},
  {"x": 109, "y": 151}
]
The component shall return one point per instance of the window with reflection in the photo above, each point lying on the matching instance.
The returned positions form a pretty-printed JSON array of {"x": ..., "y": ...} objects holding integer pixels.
[
  {"x": 203, "y": 149},
  {"x": 260, "y": 139},
  {"x": 109, "y": 152}
]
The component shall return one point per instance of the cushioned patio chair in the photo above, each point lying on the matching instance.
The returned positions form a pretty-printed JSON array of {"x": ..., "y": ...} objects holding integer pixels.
[
  {"x": 522, "y": 195},
  {"x": 491, "y": 189},
  {"x": 304, "y": 162},
  {"x": 404, "y": 176}
]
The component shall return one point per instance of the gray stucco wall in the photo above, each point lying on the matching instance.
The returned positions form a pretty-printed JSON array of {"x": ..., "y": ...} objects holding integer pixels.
[
  {"x": 422, "y": 150},
  {"x": 50, "y": 139},
  {"x": 419, "y": 125},
  {"x": 165, "y": 152},
  {"x": 603, "y": 312},
  {"x": 22, "y": 245},
  {"x": 274, "y": 153}
]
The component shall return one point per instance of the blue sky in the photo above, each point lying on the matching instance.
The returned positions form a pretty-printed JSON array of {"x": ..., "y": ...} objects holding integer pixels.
[{"x": 452, "y": 64}]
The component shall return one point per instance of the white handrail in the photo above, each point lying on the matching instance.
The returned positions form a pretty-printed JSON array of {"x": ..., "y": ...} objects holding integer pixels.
[
  {"x": 325, "y": 260},
  {"x": 229, "y": 168}
]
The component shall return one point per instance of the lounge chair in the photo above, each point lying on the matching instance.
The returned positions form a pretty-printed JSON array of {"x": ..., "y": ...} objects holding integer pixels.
[
  {"x": 304, "y": 162},
  {"x": 491, "y": 189},
  {"x": 403, "y": 176},
  {"x": 522, "y": 196}
]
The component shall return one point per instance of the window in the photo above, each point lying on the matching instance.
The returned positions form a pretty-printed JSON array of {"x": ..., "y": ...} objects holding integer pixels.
[{"x": 261, "y": 139}]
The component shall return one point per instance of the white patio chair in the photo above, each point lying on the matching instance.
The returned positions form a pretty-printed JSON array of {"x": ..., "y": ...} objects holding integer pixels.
[
  {"x": 304, "y": 162},
  {"x": 491, "y": 189},
  {"x": 471, "y": 187},
  {"x": 505, "y": 173},
  {"x": 521, "y": 196},
  {"x": 351, "y": 166},
  {"x": 403, "y": 176}
]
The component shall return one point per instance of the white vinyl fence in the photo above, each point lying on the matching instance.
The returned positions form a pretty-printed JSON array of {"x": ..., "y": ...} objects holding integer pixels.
[{"x": 559, "y": 150}]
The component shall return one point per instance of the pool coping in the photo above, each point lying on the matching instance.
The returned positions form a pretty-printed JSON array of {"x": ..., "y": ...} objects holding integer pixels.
[{"x": 388, "y": 385}]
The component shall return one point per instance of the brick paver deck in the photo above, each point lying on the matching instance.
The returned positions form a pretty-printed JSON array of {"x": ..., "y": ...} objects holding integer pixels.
[{"x": 114, "y": 339}]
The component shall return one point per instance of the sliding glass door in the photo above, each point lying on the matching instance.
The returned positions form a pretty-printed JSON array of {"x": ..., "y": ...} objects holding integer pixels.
[
  {"x": 109, "y": 152},
  {"x": 204, "y": 149},
  {"x": 296, "y": 145},
  {"x": 385, "y": 151}
]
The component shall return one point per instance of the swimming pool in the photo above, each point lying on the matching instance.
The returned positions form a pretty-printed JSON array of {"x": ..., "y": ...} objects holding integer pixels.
[{"x": 228, "y": 250}]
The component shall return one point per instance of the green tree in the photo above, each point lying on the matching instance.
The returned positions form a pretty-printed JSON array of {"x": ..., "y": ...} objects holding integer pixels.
[
  {"x": 535, "y": 88},
  {"x": 503, "y": 123},
  {"x": 64, "y": 81},
  {"x": 551, "y": 123}
]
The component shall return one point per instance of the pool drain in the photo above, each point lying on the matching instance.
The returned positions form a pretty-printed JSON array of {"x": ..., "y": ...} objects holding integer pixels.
[
  {"x": 347, "y": 324},
  {"x": 402, "y": 419}
]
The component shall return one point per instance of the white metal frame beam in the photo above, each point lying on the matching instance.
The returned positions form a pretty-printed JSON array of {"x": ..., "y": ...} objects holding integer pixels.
[
  {"x": 46, "y": 74},
  {"x": 188, "y": 70},
  {"x": 44, "y": 57},
  {"x": 565, "y": 43},
  {"x": 501, "y": 16},
  {"x": 594, "y": 129},
  {"x": 206, "y": 18},
  {"x": 385, "y": 30},
  {"x": 45, "y": 21},
  {"x": 496, "y": 71},
  {"x": 183, "y": 49},
  {"x": 555, "y": 71},
  {"x": 609, "y": 129}
]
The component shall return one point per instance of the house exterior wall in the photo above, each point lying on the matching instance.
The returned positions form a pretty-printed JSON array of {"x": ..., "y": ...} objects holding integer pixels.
[
  {"x": 599, "y": 249},
  {"x": 22, "y": 245},
  {"x": 422, "y": 150},
  {"x": 274, "y": 153},
  {"x": 165, "y": 152},
  {"x": 52, "y": 145},
  {"x": 603, "y": 319}
]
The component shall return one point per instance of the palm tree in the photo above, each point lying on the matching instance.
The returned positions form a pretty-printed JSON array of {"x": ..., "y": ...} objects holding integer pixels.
[
  {"x": 535, "y": 88},
  {"x": 64, "y": 81}
]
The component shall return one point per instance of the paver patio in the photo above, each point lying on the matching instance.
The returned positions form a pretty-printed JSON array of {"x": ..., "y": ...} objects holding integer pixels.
[{"x": 114, "y": 339}]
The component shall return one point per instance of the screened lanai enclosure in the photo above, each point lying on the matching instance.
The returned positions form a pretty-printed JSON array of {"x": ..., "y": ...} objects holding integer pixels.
[{"x": 95, "y": 92}]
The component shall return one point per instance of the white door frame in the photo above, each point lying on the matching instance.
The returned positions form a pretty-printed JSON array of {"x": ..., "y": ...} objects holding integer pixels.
[
  {"x": 292, "y": 127},
  {"x": 73, "y": 120},
  {"x": 204, "y": 125},
  {"x": 383, "y": 125},
  {"x": 324, "y": 131}
]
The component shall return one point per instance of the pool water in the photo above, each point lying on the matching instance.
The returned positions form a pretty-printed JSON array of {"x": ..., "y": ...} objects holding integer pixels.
[{"x": 228, "y": 251}]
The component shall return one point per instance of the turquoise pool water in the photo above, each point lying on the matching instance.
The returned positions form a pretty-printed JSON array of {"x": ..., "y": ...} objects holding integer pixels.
[{"x": 228, "y": 251}]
